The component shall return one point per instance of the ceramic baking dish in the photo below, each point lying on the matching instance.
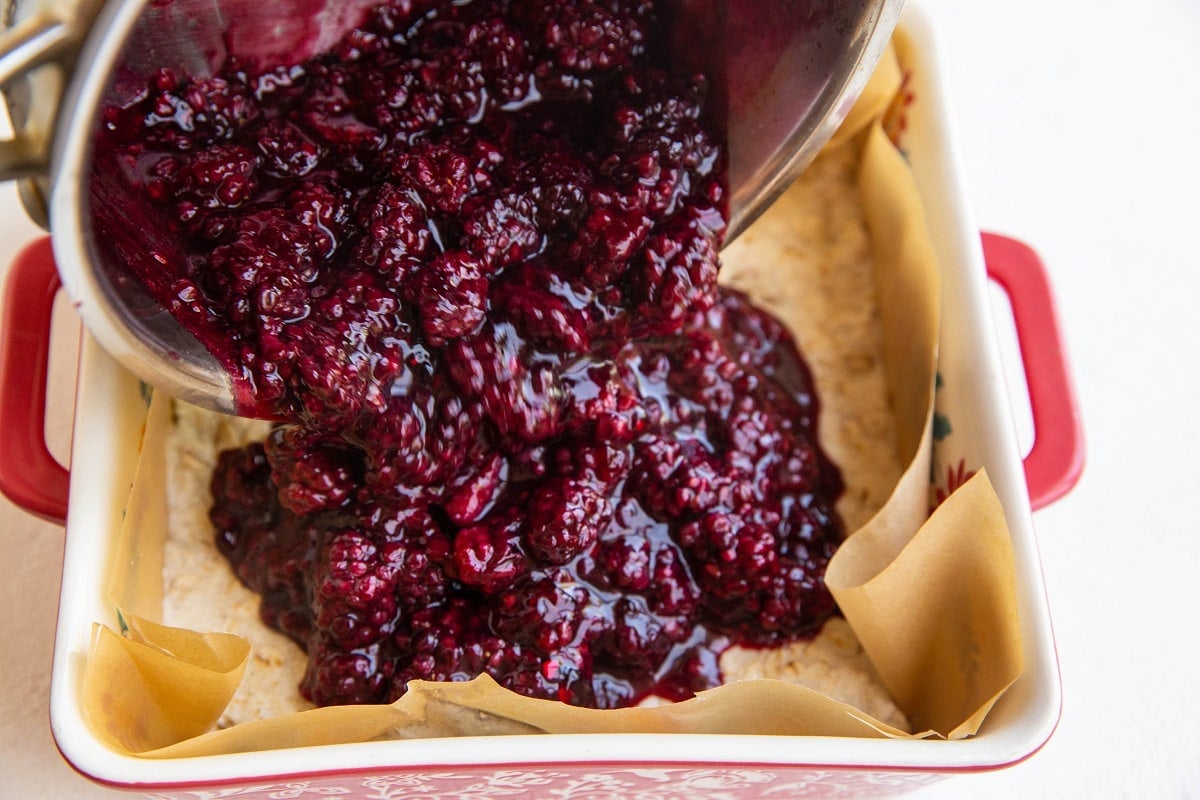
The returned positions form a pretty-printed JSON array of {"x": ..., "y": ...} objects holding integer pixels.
[{"x": 110, "y": 409}]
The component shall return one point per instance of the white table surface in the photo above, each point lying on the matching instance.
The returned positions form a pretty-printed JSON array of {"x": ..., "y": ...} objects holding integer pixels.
[{"x": 1078, "y": 127}]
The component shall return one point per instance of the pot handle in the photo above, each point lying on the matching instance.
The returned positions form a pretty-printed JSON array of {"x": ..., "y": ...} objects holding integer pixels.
[
  {"x": 29, "y": 475},
  {"x": 1055, "y": 462},
  {"x": 31, "y": 43}
]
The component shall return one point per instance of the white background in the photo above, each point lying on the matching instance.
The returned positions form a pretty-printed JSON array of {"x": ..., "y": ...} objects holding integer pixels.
[{"x": 1078, "y": 128}]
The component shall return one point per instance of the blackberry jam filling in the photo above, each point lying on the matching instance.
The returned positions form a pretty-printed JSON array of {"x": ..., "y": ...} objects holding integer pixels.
[
  {"x": 333, "y": 230},
  {"x": 470, "y": 257},
  {"x": 682, "y": 507}
]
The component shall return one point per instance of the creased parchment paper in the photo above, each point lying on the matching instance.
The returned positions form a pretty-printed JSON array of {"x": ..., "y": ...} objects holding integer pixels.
[{"x": 931, "y": 597}]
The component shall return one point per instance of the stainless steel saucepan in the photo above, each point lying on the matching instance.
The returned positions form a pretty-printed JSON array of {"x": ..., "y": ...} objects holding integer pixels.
[{"x": 786, "y": 71}]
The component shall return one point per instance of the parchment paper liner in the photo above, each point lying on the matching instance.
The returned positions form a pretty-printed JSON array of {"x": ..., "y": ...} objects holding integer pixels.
[{"x": 931, "y": 597}]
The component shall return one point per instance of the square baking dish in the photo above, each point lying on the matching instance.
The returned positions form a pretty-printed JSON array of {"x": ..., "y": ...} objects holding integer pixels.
[{"x": 110, "y": 411}]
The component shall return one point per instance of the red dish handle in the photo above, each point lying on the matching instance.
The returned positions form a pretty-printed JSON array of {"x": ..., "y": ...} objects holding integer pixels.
[
  {"x": 1055, "y": 463},
  {"x": 34, "y": 480},
  {"x": 29, "y": 475}
]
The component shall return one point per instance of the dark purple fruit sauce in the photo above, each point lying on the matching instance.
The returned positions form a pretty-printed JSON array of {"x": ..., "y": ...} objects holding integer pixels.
[{"x": 470, "y": 257}]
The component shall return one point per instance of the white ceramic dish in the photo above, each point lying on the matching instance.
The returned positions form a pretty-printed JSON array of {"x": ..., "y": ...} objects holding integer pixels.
[{"x": 109, "y": 413}]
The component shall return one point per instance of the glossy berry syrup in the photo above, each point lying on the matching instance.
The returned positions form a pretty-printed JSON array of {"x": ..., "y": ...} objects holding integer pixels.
[{"x": 470, "y": 257}]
